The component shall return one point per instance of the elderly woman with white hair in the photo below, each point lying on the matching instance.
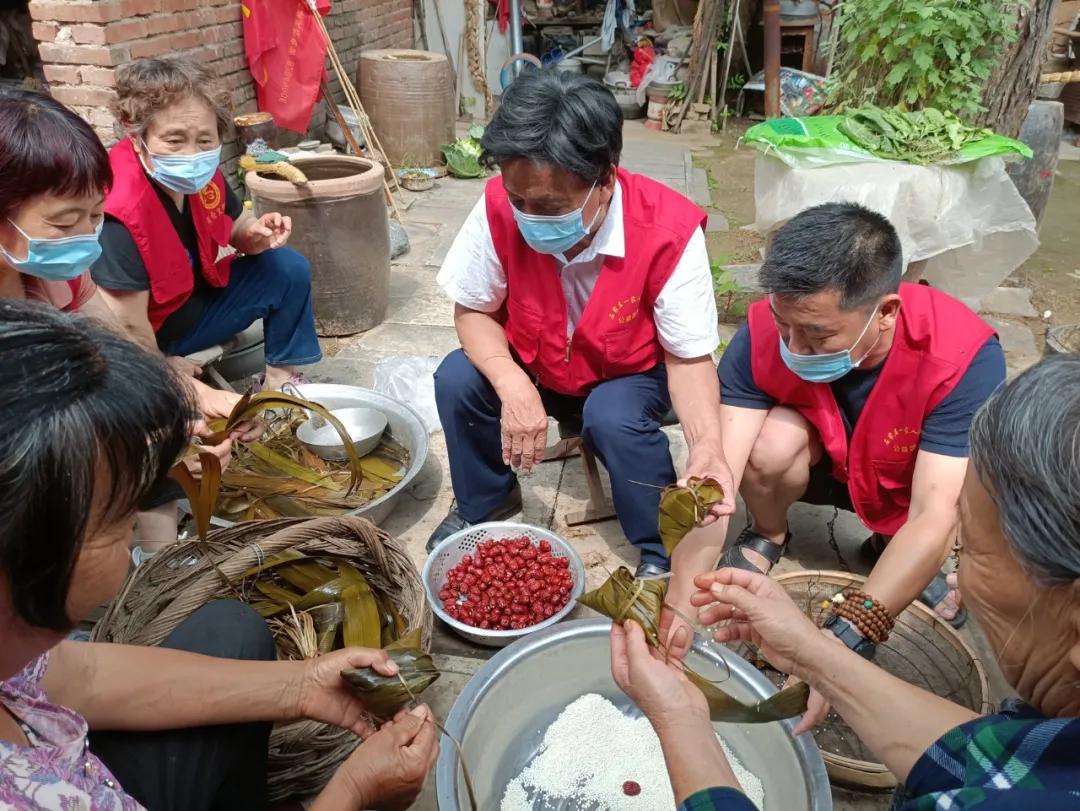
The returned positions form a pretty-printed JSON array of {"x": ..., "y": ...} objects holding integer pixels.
[{"x": 1019, "y": 575}]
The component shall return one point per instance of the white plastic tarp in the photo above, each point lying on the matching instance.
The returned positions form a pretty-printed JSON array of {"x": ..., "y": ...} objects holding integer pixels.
[{"x": 968, "y": 221}]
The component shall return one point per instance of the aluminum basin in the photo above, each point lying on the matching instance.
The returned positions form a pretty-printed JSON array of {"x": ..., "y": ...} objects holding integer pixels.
[
  {"x": 501, "y": 715},
  {"x": 404, "y": 424}
]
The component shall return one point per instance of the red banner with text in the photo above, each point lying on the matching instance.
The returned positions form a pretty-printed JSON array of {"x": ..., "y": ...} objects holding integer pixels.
[{"x": 286, "y": 53}]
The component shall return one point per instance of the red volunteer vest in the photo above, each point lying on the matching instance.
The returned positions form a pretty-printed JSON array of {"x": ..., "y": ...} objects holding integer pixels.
[
  {"x": 936, "y": 339},
  {"x": 133, "y": 201},
  {"x": 616, "y": 335}
]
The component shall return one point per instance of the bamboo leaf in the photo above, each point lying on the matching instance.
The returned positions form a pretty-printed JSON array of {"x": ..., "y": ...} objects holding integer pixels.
[
  {"x": 362, "y": 626},
  {"x": 201, "y": 493}
]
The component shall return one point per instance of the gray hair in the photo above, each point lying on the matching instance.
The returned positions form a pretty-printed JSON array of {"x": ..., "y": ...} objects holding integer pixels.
[
  {"x": 1025, "y": 447},
  {"x": 557, "y": 119},
  {"x": 835, "y": 246}
]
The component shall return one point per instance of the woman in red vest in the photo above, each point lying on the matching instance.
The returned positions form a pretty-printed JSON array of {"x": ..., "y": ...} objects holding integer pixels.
[
  {"x": 851, "y": 389},
  {"x": 184, "y": 266},
  {"x": 53, "y": 175},
  {"x": 582, "y": 292}
]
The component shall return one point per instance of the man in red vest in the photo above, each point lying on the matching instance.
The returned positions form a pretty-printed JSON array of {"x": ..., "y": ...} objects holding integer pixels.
[
  {"x": 582, "y": 292},
  {"x": 849, "y": 388}
]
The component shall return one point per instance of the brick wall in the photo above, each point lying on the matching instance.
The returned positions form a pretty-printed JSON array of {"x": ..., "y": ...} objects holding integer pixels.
[{"x": 82, "y": 41}]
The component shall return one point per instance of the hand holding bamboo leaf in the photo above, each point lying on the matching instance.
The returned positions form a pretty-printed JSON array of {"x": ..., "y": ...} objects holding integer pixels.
[{"x": 622, "y": 598}]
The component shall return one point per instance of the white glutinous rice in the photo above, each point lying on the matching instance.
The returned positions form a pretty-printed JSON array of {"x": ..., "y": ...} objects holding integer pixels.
[{"x": 587, "y": 755}]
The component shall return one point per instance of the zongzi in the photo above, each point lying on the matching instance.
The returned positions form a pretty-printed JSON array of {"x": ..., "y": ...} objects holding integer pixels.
[
  {"x": 622, "y": 597},
  {"x": 382, "y": 695},
  {"x": 684, "y": 507}
]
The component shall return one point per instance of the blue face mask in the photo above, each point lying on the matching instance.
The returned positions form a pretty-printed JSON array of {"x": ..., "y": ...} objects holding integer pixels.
[
  {"x": 57, "y": 260},
  {"x": 185, "y": 174},
  {"x": 558, "y": 233},
  {"x": 827, "y": 367}
]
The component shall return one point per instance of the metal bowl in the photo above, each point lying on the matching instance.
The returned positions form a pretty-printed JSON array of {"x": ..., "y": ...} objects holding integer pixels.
[
  {"x": 449, "y": 553},
  {"x": 405, "y": 426},
  {"x": 502, "y": 714},
  {"x": 365, "y": 427}
]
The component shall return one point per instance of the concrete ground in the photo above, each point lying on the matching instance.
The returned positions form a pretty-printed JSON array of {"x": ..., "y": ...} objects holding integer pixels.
[{"x": 419, "y": 323}]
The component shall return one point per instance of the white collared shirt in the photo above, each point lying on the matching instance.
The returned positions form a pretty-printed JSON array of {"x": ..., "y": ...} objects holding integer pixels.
[{"x": 684, "y": 312}]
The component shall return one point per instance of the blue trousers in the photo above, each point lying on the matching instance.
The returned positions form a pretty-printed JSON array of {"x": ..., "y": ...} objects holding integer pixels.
[
  {"x": 621, "y": 425},
  {"x": 274, "y": 286}
]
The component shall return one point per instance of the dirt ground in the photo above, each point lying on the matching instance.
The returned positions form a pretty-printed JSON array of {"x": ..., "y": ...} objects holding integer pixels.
[{"x": 1052, "y": 273}]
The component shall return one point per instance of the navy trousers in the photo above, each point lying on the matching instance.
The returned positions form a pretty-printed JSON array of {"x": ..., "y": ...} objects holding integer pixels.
[
  {"x": 274, "y": 286},
  {"x": 621, "y": 425}
]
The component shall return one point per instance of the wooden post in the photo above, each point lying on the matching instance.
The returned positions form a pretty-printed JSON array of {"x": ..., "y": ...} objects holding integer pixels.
[{"x": 772, "y": 58}]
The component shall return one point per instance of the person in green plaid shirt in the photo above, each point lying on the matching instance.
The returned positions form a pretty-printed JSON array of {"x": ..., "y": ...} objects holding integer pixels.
[{"x": 1019, "y": 574}]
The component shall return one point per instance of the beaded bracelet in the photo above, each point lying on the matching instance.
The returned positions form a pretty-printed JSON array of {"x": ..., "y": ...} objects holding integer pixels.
[{"x": 869, "y": 616}]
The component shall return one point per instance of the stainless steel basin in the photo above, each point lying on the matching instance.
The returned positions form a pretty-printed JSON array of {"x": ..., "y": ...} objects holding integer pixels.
[
  {"x": 501, "y": 715},
  {"x": 404, "y": 424}
]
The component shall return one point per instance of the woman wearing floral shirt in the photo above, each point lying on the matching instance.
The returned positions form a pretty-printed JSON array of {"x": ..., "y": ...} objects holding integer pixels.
[{"x": 89, "y": 423}]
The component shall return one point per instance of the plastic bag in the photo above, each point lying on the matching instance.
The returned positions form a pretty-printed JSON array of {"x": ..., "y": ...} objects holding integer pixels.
[
  {"x": 967, "y": 221},
  {"x": 411, "y": 380},
  {"x": 814, "y": 141}
]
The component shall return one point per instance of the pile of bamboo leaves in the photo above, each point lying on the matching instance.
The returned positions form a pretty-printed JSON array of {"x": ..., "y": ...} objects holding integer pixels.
[{"x": 276, "y": 476}]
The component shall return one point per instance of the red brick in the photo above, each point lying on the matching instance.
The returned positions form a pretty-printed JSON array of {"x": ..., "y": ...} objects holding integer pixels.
[
  {"x": 126, "y": 30},
  {"x": 179, "y": 5},
  {"x": 77, "y": 54},
  {"x": 166, "y": 23},
  {"x": 94, "y": 11},
  {"x": 88, "y": 96},
  {"x": 228, "y": 13},
  {"x": 184, "y": 40},
  {"x": 101, "y": 77},
  {"x": 62, "y": 74},
  {"x": 87, "y": 34},
  {"x": 45, "y": 32},
  {"x": 132, "y": 8},
  {"x": 153, "y": 46}
]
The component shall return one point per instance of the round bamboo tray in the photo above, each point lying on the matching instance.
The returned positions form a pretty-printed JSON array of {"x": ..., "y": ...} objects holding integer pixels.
[
  {"x": 168, "y": 588},
  {"x": 922, "y": 649}
]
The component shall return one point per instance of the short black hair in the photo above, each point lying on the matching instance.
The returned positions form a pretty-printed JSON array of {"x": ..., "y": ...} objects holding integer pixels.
[
  {"x": 835, "y": 246},
  {"x": 46, "y": 148},
  {"x": 81, "y": 409},
  {"x": 556, "y": 118}
]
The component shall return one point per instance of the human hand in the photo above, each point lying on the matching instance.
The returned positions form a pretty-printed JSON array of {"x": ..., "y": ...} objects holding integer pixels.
[
  {"x": 758, "y": 610},
  {"x": 223, "y": 450},
  {"x": 524, "y": 425},
  {"x": 387, "y": 771},
  {"x": 659, "y": 688},
  {"x": 216, "y": 403},
  {"x": 707, "y": 460},
  {"x": 323, "y": 695},
  {"x": 675, "y": 632},
  {"x": 267, "y": 232},
  {"x": 183, "y": 366}
]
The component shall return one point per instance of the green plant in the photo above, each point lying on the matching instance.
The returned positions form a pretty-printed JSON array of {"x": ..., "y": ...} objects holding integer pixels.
[
  {"x": 730, "y": 295},
  {"x": 920, "y": 53}
]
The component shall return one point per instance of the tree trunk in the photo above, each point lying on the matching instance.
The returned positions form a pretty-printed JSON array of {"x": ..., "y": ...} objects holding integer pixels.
[{"x": 1012, "y": 85}]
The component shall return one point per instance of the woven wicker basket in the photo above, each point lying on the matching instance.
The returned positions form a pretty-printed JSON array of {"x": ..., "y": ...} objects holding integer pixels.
[
  {"x": 922, "y": 650},
  {"x": 164, "y": 591}
]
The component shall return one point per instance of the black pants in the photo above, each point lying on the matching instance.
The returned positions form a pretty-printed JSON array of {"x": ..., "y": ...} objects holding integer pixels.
[{"x": 202, "y": 768}]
